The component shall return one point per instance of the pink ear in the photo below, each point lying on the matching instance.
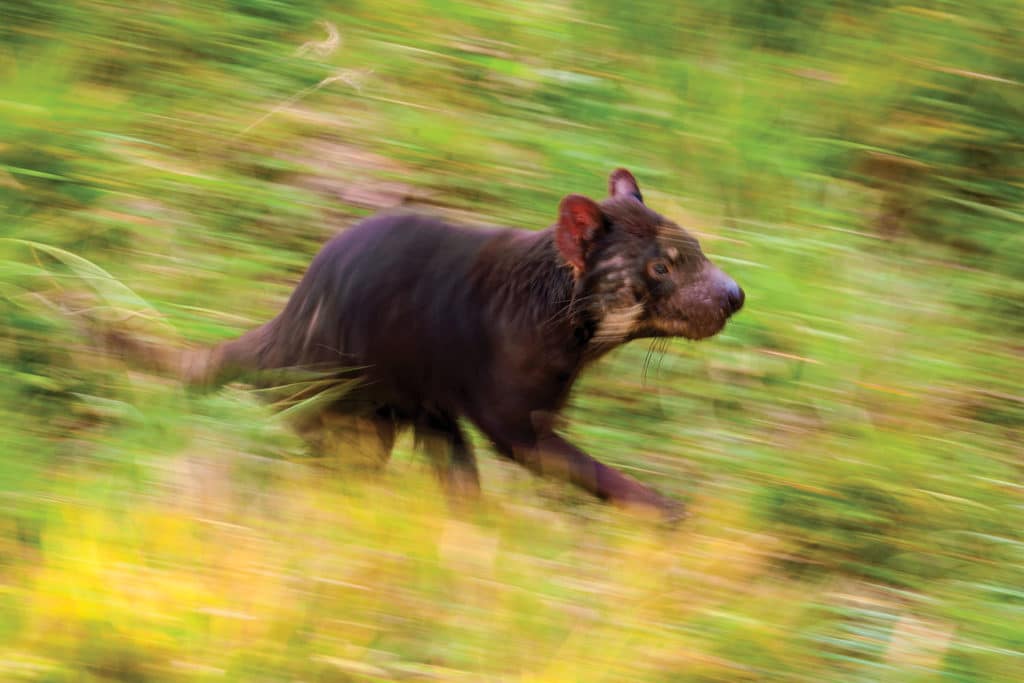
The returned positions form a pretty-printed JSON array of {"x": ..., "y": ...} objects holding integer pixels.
[
  {"x": 621, "y": 183},
  {"x": 579, "y": 220}
]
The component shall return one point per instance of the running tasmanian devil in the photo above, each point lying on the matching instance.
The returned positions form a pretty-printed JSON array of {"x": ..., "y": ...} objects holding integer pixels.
[{"x": 493, "y": 326}]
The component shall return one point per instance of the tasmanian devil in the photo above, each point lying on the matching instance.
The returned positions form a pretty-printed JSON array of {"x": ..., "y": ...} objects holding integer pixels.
[{"x": 494, "y": 326}]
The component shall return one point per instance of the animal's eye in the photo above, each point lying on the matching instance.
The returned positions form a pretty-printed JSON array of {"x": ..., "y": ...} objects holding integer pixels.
[{"x": 657, "y": 269}]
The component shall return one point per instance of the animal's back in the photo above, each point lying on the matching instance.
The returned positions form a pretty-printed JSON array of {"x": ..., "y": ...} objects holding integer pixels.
[{"x": 391, "y": 295}]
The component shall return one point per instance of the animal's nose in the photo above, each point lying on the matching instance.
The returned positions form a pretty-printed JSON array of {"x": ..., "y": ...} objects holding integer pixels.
[{"x": 736, "y": 296}]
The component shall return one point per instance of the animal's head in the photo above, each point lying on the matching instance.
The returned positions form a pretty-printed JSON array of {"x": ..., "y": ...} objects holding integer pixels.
[{"x": 637, "y": 273}]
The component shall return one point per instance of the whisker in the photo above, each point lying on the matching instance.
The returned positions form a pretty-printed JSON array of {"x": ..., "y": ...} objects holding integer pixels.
[
  {"x": 662, "y": 351},
  {"x": 647, "y": 362}
]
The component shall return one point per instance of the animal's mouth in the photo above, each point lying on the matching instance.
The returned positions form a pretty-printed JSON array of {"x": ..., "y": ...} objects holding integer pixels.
[
  {"x": 690, "y": 327},
  {"x": 703, "y": 329}
]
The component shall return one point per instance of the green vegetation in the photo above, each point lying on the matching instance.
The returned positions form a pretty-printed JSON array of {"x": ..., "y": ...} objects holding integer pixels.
[{"x": 850, "y": 446}]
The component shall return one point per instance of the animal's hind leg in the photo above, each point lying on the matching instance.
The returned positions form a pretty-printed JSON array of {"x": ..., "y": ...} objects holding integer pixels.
[
  {"x": 450, "y": 453},
  {"x": 355, "y": 440}
]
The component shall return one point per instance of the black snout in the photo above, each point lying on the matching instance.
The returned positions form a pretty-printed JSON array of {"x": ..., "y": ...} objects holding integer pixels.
[{"x": 736, "y": 297}]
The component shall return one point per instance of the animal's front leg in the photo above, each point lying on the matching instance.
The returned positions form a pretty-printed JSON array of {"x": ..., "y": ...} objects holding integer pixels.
[
  {"x": 546, "y": 453},
  {"x": 554, "y": 456}
]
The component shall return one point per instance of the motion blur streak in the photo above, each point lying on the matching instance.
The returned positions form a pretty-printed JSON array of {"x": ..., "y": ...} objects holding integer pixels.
[{"x": 849, "y": 445}]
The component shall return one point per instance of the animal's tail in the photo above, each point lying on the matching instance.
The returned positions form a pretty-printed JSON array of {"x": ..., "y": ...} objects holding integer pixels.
[
  {"x": 119, "y": 321},
  {"x": 192, "y": 365},
  {"x": 156, "y": 350}
]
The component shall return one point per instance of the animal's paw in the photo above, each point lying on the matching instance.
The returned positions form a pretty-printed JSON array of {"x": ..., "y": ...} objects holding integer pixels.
[{"x": 648, "y": 504}]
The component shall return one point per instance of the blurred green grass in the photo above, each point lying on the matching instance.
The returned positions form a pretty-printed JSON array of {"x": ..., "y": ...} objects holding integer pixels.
[{"x": 850, "y": 445}]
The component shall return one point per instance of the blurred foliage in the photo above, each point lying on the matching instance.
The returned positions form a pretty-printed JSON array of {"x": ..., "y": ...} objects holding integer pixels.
[{"x": 850, "y": 446}]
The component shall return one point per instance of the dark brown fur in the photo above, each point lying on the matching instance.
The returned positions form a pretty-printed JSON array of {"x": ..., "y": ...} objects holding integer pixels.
[{"x": 489, "y": 325}]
